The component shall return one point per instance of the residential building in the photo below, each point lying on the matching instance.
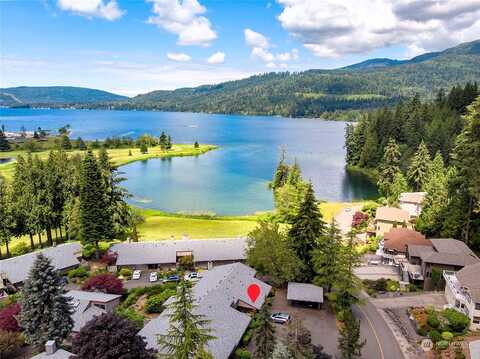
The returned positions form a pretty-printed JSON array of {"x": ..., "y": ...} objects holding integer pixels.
[
  {"x": 64, "y": 257},
  {"x": 393, "y": 247},
  {"x": 305, "y": 293},
  {"x": 412, "y": 202},
  {"x": 462, "y": 291},
  {"x": 387, "y": 218},
  {"x": 221, "y": 296},
  {"x": 88, "y": 305},
  {"x": 167, "y": 253},
  {"x": 442, "y": 255}
]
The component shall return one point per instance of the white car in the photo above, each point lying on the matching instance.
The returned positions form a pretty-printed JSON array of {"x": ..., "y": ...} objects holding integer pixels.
[
  {"x": 136, "y": 274},
  {"x": 280, "y": 318},
  {"x": 153, "y": 277},
  {"x": 192, "y": 277},
  {"x": 374, "y": 262}
]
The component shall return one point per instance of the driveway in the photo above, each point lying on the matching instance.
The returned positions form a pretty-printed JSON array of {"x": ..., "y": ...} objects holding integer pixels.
[
  {"x": 344, "y": 218},
  {"x": 436, "y": 299},
  {"x": 375, "y": 272},
  {"x": 320, "y": 322}
]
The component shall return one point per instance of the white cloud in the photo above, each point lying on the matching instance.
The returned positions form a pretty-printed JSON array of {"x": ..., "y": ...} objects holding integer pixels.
[
  {"x": 330, "y": 28},
  {"x": 179, "y": 57},
  {"x": 93, "y": 8},
  {"x": 184, "y": 19},
  {"x": 216, "y": 58},
  {"x": 259, "y": 45}
]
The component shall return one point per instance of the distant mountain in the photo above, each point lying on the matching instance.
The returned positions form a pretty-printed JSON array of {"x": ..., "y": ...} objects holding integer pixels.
[
  {"x": 25, "y": 95},
  {"x": 314, "y": 93}
]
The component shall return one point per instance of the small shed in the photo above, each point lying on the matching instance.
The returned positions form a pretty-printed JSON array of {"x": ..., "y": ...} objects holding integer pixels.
[{"x": 305, "y": 294}]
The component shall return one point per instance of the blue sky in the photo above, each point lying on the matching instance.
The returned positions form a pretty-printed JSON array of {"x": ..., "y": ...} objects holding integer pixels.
[{"x": 136, "y": 46}]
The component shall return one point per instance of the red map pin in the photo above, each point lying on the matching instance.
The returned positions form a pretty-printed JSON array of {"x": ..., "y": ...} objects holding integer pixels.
[{"x": 253, "y": 291}]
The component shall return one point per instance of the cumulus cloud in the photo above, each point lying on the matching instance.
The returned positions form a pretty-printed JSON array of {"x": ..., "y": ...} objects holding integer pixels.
[
  {"x": 330, "y": 28},
  {"x": 183, "y": 18},
  {"x": 260, "y": 49},
  {"x": 179, "y": 57},
  {"x": 216, "y": 58},
  {"x": 93, "y": 8}
]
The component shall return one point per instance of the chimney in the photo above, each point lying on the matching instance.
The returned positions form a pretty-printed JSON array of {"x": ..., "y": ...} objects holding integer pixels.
[{"x": 50, "y": 347}]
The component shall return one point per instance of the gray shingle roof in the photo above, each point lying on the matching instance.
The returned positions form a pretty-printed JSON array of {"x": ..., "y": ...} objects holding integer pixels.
[
  {"x": 83, "y": 310},
  {"x": 63, "y": 256},
  {"x": 59, "y": 354},
  {"x": 469, "y": 277},
  {"x": 450, "y": 252},
  {"x": 415, "y": 250},
  {"x": 215, "y": 294},
  {"x": 92, "y": 296},
  {"x": 305, "y": 292},
  {"x": 165, "y": 251}
]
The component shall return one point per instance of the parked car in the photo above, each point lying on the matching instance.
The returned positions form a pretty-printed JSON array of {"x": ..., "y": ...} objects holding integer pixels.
[
  {"x": 171, "y": 278},
  {"x": 374, "y": 262},
  {"x": 280, "y": 318},
  {"x": 153, "y": 277},
  {"x": 192, "y": 277},
  {"x": 136, "y": 274}
]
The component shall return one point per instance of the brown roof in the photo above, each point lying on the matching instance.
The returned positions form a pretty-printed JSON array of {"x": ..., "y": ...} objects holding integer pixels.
[
  {"x": 398, "y": 238},
  {"x": 469, "y": 277},
  {"x": 392, "y": 214}
]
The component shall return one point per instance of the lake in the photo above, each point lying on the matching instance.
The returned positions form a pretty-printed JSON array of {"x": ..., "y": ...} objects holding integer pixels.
[{"x": 232, "y": 180}]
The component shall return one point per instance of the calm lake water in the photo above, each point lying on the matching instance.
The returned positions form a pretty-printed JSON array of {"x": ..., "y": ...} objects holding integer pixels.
[{"x": 231, "y": 180}]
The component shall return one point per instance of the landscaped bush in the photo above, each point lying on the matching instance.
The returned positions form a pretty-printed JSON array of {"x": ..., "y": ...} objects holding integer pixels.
[
  {"x": 359, "y": 220},
  {"x": 132, "y": 315},
  {"x": 242, "y": 353},
  {"x": 106, "y": 283},
  {"x": 442, "y": 345},
  {"x": 20, "y": 249},
  {"x": 380, "y": 285},
  {"x": 88, "y": 250},
  {"x": 9, "y": 342},
  {"x": 447, "y": 336},
  {"x": 126, "y": 273},
  {"x": 186, "y": 263},
  {"x": 7, "y": 318},
  {"x": 435, "y": 336},
  {"x": 109, "y": 258},
  {"x": 370, "y": 209},
  {"x": 432, "y": 320},
  {"x": 392, "y": 285},
  {"x": 457, "y": 321},
  {"x": 154, "y": 304},
  {"x": 80, "y": 272}
]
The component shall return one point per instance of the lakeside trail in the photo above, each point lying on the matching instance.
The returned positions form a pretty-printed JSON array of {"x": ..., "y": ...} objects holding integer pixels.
[{"x": 118, "y": 156}]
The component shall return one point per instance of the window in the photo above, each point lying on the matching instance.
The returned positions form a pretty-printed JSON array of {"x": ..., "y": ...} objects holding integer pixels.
[
  {"x": 477, "y": 306},
  {"x": 476, "y": 320},
  {"x": 101, "y": 306}
]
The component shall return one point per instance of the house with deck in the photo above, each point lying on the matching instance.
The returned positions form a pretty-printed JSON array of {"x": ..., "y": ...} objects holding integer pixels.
[
  {"x": 166, "y": 254},
  {"x": 393, "y": 247},
  {"x": 387, "y": 218},
  {"x": 462, "y": 292},
  {"x": 441, "y": 255},
  {"x": 221, "y": 296}
]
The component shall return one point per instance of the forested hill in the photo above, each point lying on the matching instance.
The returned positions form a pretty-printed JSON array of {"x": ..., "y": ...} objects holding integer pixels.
[
  {"x": 24, "y": 95},
  {"x": 313, "y": 92}
]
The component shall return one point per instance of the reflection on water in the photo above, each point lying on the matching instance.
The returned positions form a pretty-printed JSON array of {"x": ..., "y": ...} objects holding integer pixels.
[
  {"x": 5, "y": 160},
  {"x": 355, "y": 185}
]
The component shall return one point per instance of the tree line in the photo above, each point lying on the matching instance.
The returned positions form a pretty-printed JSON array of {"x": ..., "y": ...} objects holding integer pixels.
[{"x": 432, "y": 147}]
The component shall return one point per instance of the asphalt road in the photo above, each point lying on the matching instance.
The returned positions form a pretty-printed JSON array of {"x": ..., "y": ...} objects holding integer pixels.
[{"x": 381, "y": 344}]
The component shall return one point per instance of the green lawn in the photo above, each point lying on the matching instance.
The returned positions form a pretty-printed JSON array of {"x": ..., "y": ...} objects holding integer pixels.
[{"x": 119, "y": 156}]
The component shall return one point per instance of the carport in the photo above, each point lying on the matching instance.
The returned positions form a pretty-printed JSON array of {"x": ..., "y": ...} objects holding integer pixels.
[{"x": 305, "y": 294}]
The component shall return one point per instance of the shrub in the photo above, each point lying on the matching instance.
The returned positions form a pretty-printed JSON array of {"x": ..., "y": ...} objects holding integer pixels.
[
  {"x": 10, "y": 341},
  {"x": 359, "y": 220},
  {"x": 392, "y": 285},
  {"x": 154, "y": 304},
  {"x": 447, "y": 336},
  {"x": 109, "y": 258},
  {"x": 457, "y": 321},
  {"x": 88, "y": 250},
  {"x": 432, "y": 320},
  {"x": 80, "y": 272},
  {"x": 186, "y": 263},
  {"x": 20, "y": 249},
  {"x": 442, "y": 345},
  {"x": 380, "y": 284},
  {"x": 242, "y": 353},
  {"x": 422, "y": 331},
  {"x": 132, "y": 315},
  {"x": 7, "y": 318},
  {"x": 126, "y": 273},
  {"x": 435, "y": 336},
  {"x": 370, "y": 209},
  {"x": 247, "y": 337},
  {"x": 106, "y": 283}
]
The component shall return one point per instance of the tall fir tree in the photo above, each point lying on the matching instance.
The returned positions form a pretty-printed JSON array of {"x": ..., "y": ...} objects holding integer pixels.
[
  {"x": 264, "y": 334},
  {"x": 418, "y": 171},
  {"x": 349, "y": 342},
  {"x": 7, "y": 221},
  {"x": 389, "y": 167},
  {"x": 399, "y": 186},
  {"x": 326, "y": 258},
  {"x": 188, "y": 333},
  {"x": 46, "y": 311},
  {"x": 4, "y": 144},
  {"x": 281, "y": 173},
  {"x": 94, "y": 210},
  {"x": 307, "y": 227},
  {"x": 280, "y": 351},
  {"x": 299, "y": 340}
]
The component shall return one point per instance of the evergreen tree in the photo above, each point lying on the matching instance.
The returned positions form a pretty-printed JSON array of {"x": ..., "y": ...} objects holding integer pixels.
[
  {"x": 46, "y": 311},
  {"x": 143, "y": 148},
  {"x": 281, "y": 173},
  {"x": 4, "y": 144},
  {"x": 398, "y": 187},
  {"x": 110, "y": 336},
  {"x": 81, "y": 144},
  {"x": 369, "y": 152},
  {"x": 6, "y": 217},
  {"x": 326, "y": 257},
  {"x": 196, "y": 145},
  {"x": 168, "y": 144},
  {"x": 264, "y": 334},
  {"x": 280, "y": 351},
  {"x": 349, "y": 343},
  {"x": 65, "y": 143},
  {"x": 163, "y": 141},
  {"x": 188, "y": 332},
  {"x": 417, "y": 173},
  {"x": 299, "y": 340},
  {"x": 307, "y": 227},
  {"x": 389, "y": 168},
  {"x": 94, "y": 211}
]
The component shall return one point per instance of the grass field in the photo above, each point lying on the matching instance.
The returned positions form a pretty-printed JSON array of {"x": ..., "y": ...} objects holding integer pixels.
[{"x": 119, "y": 156}]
